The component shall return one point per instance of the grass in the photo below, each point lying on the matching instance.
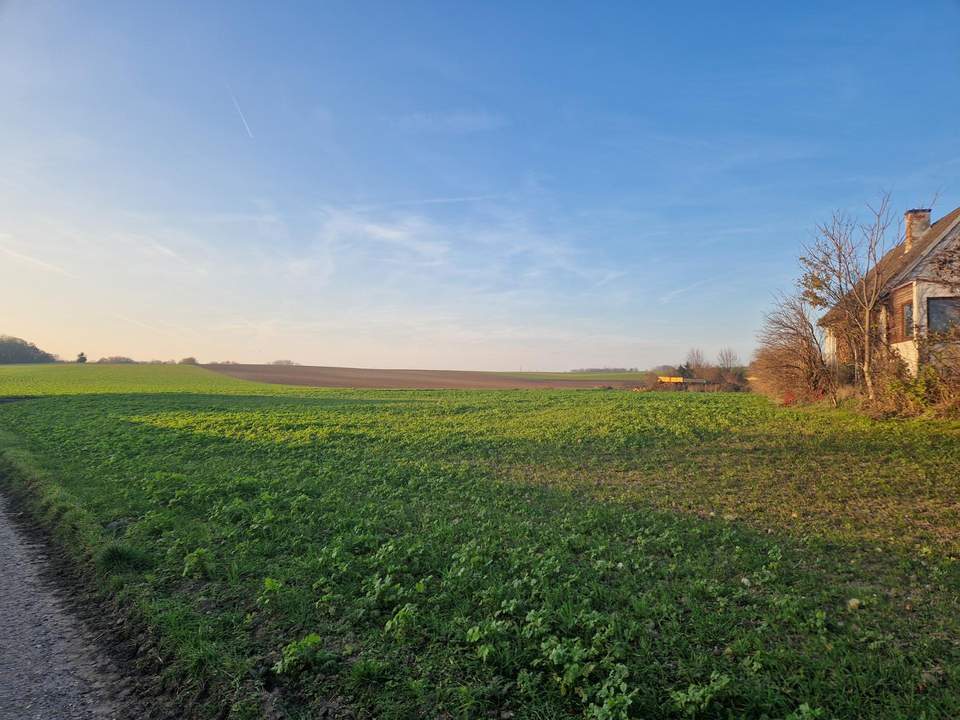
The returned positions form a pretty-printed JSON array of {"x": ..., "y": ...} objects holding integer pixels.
[
  {"x": 73, "y": 379},
  {"x": 524, "y": 554}
]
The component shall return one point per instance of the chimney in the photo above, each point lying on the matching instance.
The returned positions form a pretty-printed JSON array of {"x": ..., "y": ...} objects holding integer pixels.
[{"x": 915, "y": 222}]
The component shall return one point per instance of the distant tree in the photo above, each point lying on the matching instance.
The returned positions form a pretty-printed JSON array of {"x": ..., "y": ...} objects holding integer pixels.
[
  {"x": 15, "y": 350},
  {"x": 283, "y": 362},
  {"x": 82, "y": 358},
  {"x": 116, "y": 360},
  {"x": 729, "y": 371},
  {"x": 669, "y": 370},
  {"x": 696, "y": 361},
  {"x": 189, "y": 361},
  {"x": 695, "y": 357},
  {"x": 728, "y": 359}
]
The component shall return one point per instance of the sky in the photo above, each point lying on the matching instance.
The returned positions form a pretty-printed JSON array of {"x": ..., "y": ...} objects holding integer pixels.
[{"x": 485, "y": 185}]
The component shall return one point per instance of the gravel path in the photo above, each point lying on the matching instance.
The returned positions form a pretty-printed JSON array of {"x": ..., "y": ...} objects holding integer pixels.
[{"x": 50, "y": 666}]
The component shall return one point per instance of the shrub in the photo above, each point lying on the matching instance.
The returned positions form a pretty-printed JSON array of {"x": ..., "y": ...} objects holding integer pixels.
[
  {"x": 197, "y": 564},
  {"x": 270, "y": 592},
  {"x": 696, "y": 698},
  {"x": 790, "y": 361},
  {"x": 304, "y": 655},
  {"x": 934, "y": 388},
  {"x": 368, "y": 671},
  {"x": 118, "y": 557}
]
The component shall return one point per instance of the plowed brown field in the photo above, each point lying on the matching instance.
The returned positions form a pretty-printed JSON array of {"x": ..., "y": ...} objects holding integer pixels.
[{"x": 414, "y": 379}]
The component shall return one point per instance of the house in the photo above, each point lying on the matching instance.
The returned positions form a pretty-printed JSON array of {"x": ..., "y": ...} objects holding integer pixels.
[{"x": 921, "y": 287}]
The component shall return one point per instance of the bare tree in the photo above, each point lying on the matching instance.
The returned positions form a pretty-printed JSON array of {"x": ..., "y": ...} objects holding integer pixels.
[
  {"x": 842, "y": 271},
  {"x": 696, "y": 360},
  {"x": 945, "y": 267},
  {"x": 790, "y": 359},
  {"x": 728, "y": 359}
]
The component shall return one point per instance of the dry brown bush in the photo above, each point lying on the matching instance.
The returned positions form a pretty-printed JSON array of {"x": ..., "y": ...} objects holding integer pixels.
[
  {"x": 790, "y": 365},
  {"x": 935, "y": 389}
]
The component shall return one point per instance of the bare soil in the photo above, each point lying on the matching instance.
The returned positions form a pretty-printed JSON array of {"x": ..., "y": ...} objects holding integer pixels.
[
  {"x": 49, "y": 666},
  {"x": 403, "y": 379}
]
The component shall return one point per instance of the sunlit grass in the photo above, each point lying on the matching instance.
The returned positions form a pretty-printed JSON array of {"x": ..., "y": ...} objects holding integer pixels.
[
  {"x": 74, "y": 379},
  {"x": 529, "y": 553}
]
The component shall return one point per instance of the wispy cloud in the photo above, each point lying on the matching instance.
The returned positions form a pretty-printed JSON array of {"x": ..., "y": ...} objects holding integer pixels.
[
  {"x": 459, "y": 122},
  {"x": 672, "y": 295},
  {"x": 164, "y": 250},
  {"x": 412, "y": 236},
  {"x": 243, "y": 118},
  {"x": 138, "y": 323},
  {"x": 35, "y": 262},
  {"x": 166, "y": 329},
  {"x": 426, "y": 201},
  {"x": 239, "y": 217},
  {"x": 155, "y": 247}
]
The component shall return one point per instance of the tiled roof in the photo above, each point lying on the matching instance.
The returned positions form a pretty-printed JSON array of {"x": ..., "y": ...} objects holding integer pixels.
[{"x": 895, "y": 261}]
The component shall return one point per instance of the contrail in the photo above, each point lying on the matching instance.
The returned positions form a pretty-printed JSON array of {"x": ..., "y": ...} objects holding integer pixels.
[
  {"x": 50, "y": 267},
  {"x": 668, "y": 296},
  {"x": 240, "y": 113}
]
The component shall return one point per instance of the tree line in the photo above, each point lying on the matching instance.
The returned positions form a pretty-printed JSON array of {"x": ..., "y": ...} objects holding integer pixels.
[
  {"x": 726, "y": 371},
  {"x": 16, "y": 351}
]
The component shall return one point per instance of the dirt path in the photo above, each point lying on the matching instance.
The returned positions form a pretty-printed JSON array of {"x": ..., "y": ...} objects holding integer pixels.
[{"x": 50, "y": 666}]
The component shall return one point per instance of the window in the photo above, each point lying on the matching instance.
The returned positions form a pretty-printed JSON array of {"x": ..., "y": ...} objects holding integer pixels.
[
  {"x": 943, "y": 314},
  {"x": 908, "y": 320}
]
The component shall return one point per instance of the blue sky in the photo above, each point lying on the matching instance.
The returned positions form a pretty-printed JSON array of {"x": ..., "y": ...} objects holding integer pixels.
[{"x": 447, "y": 185}]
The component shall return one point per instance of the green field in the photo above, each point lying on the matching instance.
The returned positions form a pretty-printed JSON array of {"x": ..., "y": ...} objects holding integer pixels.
[{"x": 503, "y": 554}]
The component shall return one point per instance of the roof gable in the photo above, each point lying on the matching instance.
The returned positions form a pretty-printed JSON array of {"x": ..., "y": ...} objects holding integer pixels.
[
  {"x": 898, "y": 264},
  {"x": 932, "y": 266},
  {"x": 911, "y": 264}
]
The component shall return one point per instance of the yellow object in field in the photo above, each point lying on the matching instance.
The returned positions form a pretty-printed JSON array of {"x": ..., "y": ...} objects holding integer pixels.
[{"x": 669, "y": 379}]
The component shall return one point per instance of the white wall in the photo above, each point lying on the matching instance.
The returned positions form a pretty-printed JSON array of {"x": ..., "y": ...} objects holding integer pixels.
[
  {"x": 908, "y": 351},
  {"x": 829, "y": 346}
]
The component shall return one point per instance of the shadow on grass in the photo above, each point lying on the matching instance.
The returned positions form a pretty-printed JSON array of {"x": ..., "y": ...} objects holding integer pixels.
[
  {"x": 415, "y": 540},
  {"x": 894, "y": 488}
]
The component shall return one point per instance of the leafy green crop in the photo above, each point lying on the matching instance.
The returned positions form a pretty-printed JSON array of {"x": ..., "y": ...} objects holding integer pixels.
[{"x": 525, "y": 554}]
